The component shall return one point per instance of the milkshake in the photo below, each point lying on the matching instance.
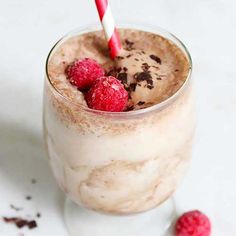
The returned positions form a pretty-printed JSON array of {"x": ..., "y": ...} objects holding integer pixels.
[{"x": 128, "y": 161}]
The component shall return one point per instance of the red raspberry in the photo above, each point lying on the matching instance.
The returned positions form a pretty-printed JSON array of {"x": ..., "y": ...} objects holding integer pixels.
[
  {"x": 82, "y": 73},
  {"x": 193, "y": 223},
  {"x": 107, "y": 94}
]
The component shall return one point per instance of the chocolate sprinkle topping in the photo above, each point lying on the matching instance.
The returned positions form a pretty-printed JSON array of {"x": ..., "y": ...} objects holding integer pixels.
[
  {"x": 122, "y": 77},
  {"x": 120, "y": 58},
  {"x": 140, "y": 103},
  {"x": 19, "y": 222},
  {"x": 128, "y": 56},
  {"x": 149, "y": 82},
  {"x": 128, "y": 42},
  {"x": 113, "y": 71},
  {"x": 156, "y": 59},
  {"x": 125, "y": 69},
  {"x": 150, "y": 86},
  {"x": 129, "y": 45},
  {"x": 143, "y": 76},
  {"x": 32, "y": 224},
  {"x": 132, "y": 86},
  {"x": 130, "y": 108},
  {"x": 145, "y": 66},
  {"x": 136, "y": 59}
]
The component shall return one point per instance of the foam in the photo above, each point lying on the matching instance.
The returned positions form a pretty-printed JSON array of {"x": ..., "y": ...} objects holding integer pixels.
[{"x": 167, "y": 76}]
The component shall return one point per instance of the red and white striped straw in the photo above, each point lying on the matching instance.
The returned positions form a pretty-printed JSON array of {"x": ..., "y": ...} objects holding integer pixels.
[{"x": 109, "y": 28}]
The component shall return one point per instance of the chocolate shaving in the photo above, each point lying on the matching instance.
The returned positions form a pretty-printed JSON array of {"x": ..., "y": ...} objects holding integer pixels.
[
  {"x": 140, "y": 103},
  {"x": 150, "y": 86},
  {"x": 129, "y": 42},
  {"x": 16, "y": 208},
  {"x": 32, "y": 224},
  {"x": 145, "y": 67},
  {"x": 130, "y": 108},
  {"x": 132, "y": 86},
  {"x": 150, "y": 82},
  {"x": 142, "y": 76},
  {"x": 122, "y": 77},
  {"x": 158, "y": 78},
  {"x": 136, "y": 59},
  {"x": 156, "y": 59},
  {"x": 113, "y": 71},
  {"x": 120, "y": 58},
  {"x": 129, "y": 45},
  {"x": 19, "y": 222},
  {"x": 128, "y": 56},
  {"x": 8, "y": 220},
  {"x": 145, "y": 76}
]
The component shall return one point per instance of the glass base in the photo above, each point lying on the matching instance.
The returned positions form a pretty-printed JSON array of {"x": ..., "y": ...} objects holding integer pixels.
[{"x": 84, "y": 222}]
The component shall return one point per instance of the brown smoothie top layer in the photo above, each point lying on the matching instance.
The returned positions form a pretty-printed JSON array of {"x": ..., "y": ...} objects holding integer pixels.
[{"x": 151, "y": 67}]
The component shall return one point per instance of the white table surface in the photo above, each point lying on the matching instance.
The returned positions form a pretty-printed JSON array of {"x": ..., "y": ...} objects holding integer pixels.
[{"x": 29, "y": 28}]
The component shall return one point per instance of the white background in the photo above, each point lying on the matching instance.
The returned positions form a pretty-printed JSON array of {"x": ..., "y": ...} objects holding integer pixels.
[{"x": 29, "y": 28}]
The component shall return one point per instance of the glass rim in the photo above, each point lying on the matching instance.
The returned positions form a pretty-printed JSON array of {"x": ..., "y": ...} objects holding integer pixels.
[{"x": 127, "y": 25}]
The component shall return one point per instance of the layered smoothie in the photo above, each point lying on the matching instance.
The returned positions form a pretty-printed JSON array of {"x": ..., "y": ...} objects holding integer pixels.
[{"x": 120, "y": 162}]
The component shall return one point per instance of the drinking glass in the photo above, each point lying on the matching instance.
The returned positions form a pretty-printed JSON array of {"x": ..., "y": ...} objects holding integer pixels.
[{"x": 119, "y": 164}]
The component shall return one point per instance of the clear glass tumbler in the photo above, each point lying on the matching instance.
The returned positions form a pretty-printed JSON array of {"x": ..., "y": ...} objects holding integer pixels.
[{"x": 119, "y": 163}]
